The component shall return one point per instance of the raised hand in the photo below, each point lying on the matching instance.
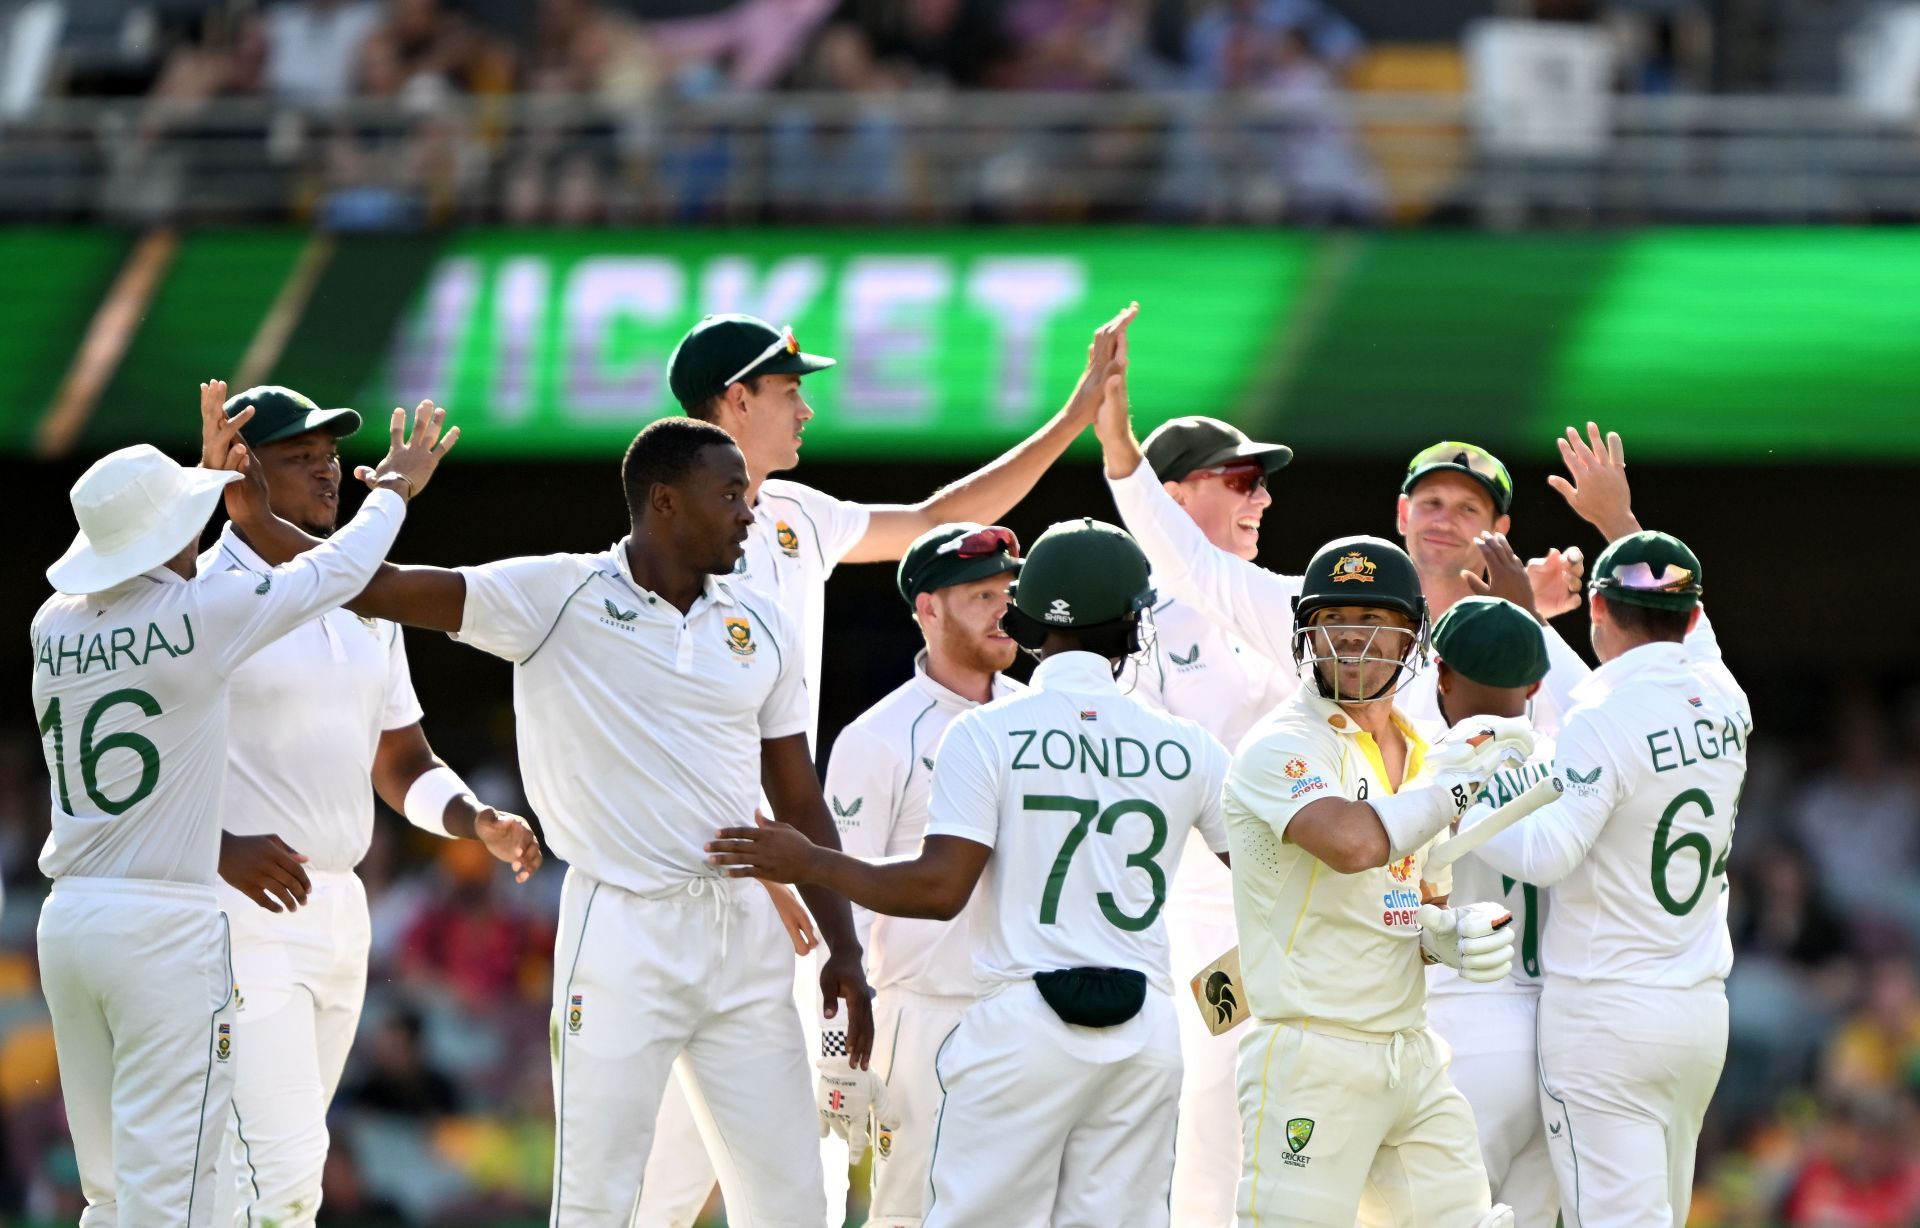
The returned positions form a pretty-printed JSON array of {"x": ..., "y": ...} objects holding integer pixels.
[
  {"x": 413, "y": 458},
  {"x": 222, "y": 448},
  {"x": 1597, "y": 492},
  {"x": 1109, "y": 342},
  {"x": 1556, "y": 579},
  {"x": 1506, "y": 574}
]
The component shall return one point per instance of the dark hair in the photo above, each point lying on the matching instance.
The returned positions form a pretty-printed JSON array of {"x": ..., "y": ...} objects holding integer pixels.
[
  {"x": 709, "y": 409},
  {"x": 1647, "y": 622},
  {"x": 665, "y": 451}
]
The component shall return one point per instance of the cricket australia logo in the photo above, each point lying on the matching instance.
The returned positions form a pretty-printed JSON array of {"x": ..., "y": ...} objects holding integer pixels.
[
  {"x": 617, "y": 617},
  {"x": 1352, "y": 565},
  {"x": 789, "y": 540},
  {"x": 740, "y": 637},
  {"x": 1299, "y": 1130},
  {"x": 1059, "y": 611}
]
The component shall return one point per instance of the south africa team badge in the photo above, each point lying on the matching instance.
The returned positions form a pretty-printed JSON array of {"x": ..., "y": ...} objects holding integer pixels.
[
  {"x": 223, "y": 1048},
  {"x": 788, "y": 539},
  {"x": 573, "y": 1015},
  {"x": 740, "y": 637}
]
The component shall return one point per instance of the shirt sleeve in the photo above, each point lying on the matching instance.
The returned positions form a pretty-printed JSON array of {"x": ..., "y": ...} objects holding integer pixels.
[
  {"x": 401, "y": 707},
  {"x": 244, "y": 612},
  {"x": 512, "y": 605},
  {"x": 966, "y": 791},
  {"x": 1279, "y": 772},
  {"x": 837, "y": 524},
  {"x": 1212, "y": 823},
  {"x": 863, "y": 790},
  {"x": 1544, "y": 847},
  {"x": 786, "y": 710},
  {"x": 1566, "y": 670},
  {"x": 1247, "y": 599}
]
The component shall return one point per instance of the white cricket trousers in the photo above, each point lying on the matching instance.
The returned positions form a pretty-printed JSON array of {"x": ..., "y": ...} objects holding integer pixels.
[
  {"x": 1206, "y": 1154},
  {"x": 1496, "y": 1067},
  {"x": 1045, "y": 1124},
  {"x": 1626, "y": 1074},
  {"x": 706, "y": 971},
  {"x": 137, "y": 979},
  {"x": 680, "y": 1174},
  {"x": 908, "y": 1030},
  {"x": 1336, "y": 1118},
  {"x": 301, "y": 979}
]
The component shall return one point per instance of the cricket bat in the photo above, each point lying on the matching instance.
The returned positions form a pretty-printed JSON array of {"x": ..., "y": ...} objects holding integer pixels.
[
  {"x": 1216, "y": 988},
  {"x": 1452, "y": 850},
  {"x": 1217, "y": 992}
]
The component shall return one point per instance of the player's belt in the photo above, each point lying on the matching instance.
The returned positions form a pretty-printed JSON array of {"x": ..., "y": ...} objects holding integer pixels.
[{"x": 1326, "y": 1027}]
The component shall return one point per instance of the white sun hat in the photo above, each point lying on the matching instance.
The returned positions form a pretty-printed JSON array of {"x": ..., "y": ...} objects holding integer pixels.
[{"x": 137, "y": 508}]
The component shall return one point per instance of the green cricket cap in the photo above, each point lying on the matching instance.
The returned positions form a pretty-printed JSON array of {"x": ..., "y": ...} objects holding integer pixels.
[
  {"x": 1491, "y": 641},
  {"x": 281, "y": 413},
  {"x": 1083, "y": 573},
  {"x": 956, "y": 553},
  {"x": 1474, "y": 461},
  {"x": 725, "y": 349},
  {"x": 1180, "y": 446},
  {"x": 1649, "y": 568}
]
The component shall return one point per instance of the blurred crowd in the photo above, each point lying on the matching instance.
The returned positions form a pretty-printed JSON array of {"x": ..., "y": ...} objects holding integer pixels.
[{"x": 445, "y": 1114}]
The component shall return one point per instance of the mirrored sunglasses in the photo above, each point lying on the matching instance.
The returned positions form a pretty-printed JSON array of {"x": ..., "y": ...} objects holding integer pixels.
[
  {"x": 982, "y": 542},
  {"x": 1640, "y": 578},
  {"x": 1240, "y": 477},
  {"x": 785, "y": 341}
]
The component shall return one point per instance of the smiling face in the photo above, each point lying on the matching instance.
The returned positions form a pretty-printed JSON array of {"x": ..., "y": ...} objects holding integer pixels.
[
  {"x": 1439, "y": 519},
  {"x": 303, "y": 479},
  {"x": 1358, "y": 648},
  {"x": 1226, "y": 505},
  {"x": 709, "y": 510},
  {"x": 962, "y": 623}
]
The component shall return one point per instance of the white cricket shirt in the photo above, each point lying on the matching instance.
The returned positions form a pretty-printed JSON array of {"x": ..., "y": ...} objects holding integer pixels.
[
  {"x": 307, "y": 712},
  {"x": 1474, "y": 881},
  {"x": 639, "y": 728},
  {"x": 878, "y": 782},
  {"x": 1196, "y": 668},
  {"x": 1653, "y": 756},
  {"x": 1315, "y": 943},
  {"x": 1085, "y": 796},
  {"x": 798, "y": 536},
  {"x": 130, "y": 689}
]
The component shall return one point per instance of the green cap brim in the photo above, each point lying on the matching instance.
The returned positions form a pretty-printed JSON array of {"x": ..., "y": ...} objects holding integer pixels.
[
  {"x": 339, "y": 423},
  {"x": 784, "y": 363},
  {"x": 965, "y": 571},
  {"x": 1500, "y": 500}
]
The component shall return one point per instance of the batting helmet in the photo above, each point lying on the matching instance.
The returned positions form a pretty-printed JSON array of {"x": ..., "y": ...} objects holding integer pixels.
[
  {"x": 1082, "y": 575},
  {"x": 1361, "y": 571}
]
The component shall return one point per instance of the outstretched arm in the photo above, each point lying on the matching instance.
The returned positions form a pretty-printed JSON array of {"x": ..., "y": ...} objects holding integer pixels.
[
  {"x": 988, "y": 493},
  {"x": 1596, "y": 483},
  {"x": 936, "y": 884},
  {"x": 404, "y": 756}
]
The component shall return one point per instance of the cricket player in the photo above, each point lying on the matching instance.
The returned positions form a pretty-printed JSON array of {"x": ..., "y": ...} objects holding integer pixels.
[
  {"x": 1490, "y": 657},
  {"x": 1197, "y": 668},
  {"x": 879, "y": 782},
  {"x": 131, "y": 661},
  {"x": 744, "y": 375},
  {"x": 1633, "y": 1017},
  {"x": 651, "y": 694},
  {"x": 318, "y": 720},
  {"x": 1331, "y": 807},
  {"x": 1069, "y": 806}
]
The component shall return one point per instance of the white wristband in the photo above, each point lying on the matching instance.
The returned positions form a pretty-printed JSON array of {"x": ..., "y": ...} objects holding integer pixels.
[
  {"x": 1414, "y": 817},
  {"x": 427, "y": 798}
]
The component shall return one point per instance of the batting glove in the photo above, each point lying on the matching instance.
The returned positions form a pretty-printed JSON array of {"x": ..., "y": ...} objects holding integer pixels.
[
  {"x": 848, "y": 1100},
  {"x": 1477, "y": 940}
]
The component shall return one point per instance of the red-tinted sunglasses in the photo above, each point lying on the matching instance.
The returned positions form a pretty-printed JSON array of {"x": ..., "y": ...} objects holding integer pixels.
[
  {"x": 1240, "y": 477},
  {"x": 983, "y": 542}
]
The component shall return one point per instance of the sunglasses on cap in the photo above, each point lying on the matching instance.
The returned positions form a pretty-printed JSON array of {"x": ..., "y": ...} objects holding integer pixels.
[
  {"x": 982, "y": 542},
  {"x": 1240, "y": 477},
  {"x": 1474, "y": 460},
  {"x": 785, "y": 341},
  {"x": 1640, "y": 578}
]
